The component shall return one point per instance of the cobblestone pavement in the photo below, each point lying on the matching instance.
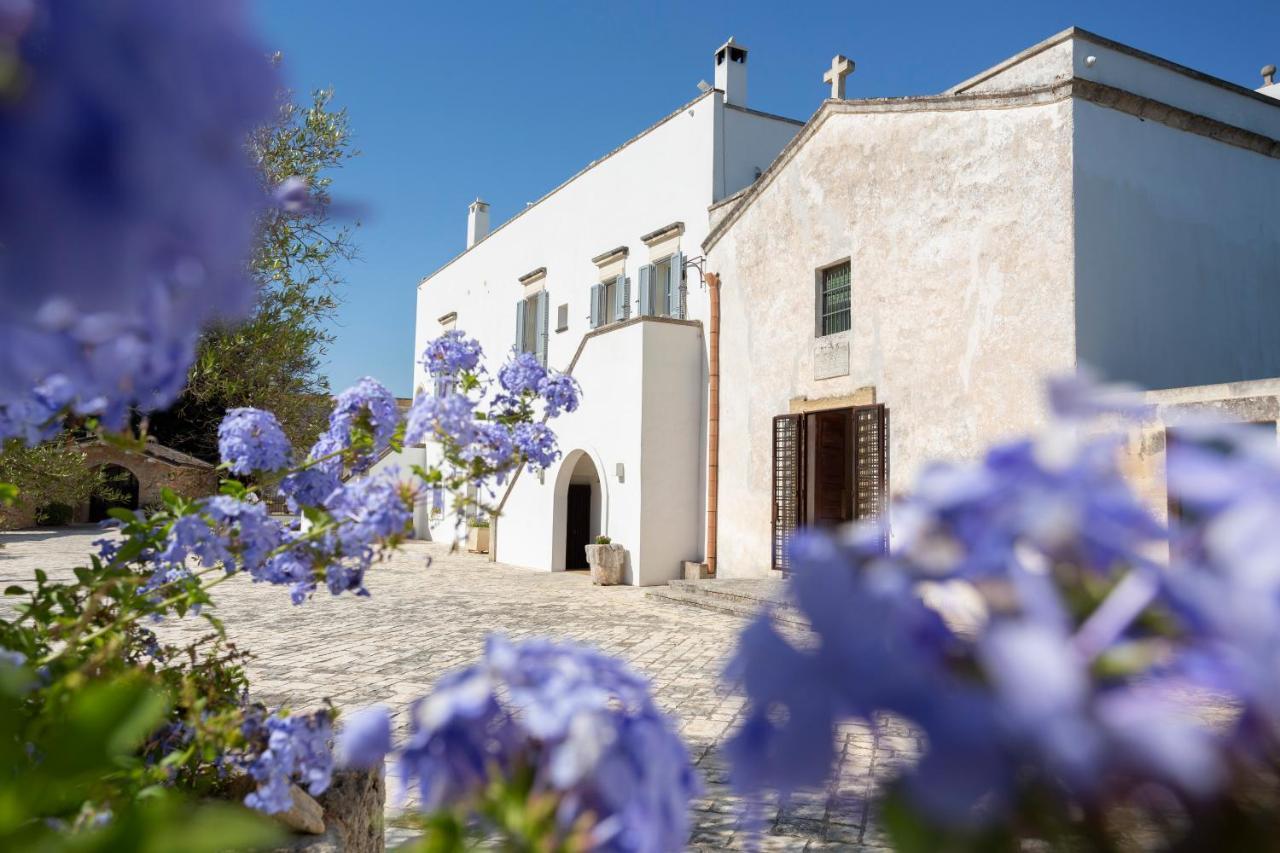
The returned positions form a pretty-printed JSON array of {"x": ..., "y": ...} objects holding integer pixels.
[{"x": 430, "y": 612}]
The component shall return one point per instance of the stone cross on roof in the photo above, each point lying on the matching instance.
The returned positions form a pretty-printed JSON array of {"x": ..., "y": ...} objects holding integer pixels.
[{"x": 841, "y": 67}]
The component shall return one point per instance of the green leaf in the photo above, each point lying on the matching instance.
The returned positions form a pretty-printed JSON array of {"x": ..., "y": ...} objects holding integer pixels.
[
  {"x": 121, "y": 514},
  {"x": 8, "y": 493},
  {"x": 14, "y": 590}
]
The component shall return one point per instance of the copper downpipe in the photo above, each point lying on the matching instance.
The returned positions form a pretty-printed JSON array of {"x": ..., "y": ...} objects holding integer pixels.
[{"x": 713, "y": 418}]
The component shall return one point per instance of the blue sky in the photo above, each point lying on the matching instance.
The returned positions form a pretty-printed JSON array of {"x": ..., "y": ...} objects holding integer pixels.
[{"x": 505, "y": 100}]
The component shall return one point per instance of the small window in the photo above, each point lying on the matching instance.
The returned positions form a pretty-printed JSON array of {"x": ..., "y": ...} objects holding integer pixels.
[
  {"x": 530, "y": 342},
  {"x": 562, "y": 317},
  {"x": 610, "y": 300},
  {"x": 833, "y": 299},
  {"x": 662, "y": 287}
]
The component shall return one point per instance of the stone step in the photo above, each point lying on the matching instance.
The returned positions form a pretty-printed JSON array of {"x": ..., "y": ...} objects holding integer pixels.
[
  {"x": 740, "y": 606},
  {"x": 741, "y": 591}
]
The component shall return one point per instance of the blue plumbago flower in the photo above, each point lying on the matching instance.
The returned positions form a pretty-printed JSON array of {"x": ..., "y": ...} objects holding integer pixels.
[
  {"x": 582, "y": 721},
  {"x": 365, "y": 738},
  {"x": 492, "y": 444},
  {"x": 250, "y": 531},
  {"x": 310, "y": 486},
  {"x": 12, "y": 658},
  {"x": 111, "y": 266},
  {"x": 559, "y": 393},
  {"x": 191, "y": 535},
  {"x": 281, "y": 750},
  {"x": 450, "y": 354},
  {"x": 522, "y": 374},
  {"x": 432, "y": 416},
  {"x": 1016, "y": 705},
  {"x": 367, "y": 404},
  {"x": 252, "y": 440},
  {"x": 537, "y": 443}
]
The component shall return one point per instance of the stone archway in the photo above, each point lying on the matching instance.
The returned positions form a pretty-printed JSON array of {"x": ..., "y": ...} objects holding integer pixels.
[
  {"x": 120, "y": 489},
  {"x": 579, "y": 510}
]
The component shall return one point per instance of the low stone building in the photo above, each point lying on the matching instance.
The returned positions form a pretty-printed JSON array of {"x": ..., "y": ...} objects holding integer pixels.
[
  {"x": 133, "y": 479},
  {"x": 140, "y": 476}
]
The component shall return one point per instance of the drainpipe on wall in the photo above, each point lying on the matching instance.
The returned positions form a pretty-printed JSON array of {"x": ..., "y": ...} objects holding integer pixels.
[{"x": 713, "y": 418}]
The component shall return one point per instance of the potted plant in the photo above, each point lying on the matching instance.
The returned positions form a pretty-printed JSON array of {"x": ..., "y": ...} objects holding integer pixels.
[
  {"x": 478, "y": 536},
  {"x": 606, "y": 560}
]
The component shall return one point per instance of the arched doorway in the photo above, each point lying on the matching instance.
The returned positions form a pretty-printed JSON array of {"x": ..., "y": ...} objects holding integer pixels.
[
  {"x": 119, "y": 488},
  {"x": 579, "y": 500}
]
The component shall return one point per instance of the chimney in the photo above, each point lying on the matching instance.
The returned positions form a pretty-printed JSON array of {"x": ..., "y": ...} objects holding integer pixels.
[
  {"x": 477, "y": 222},
  {"x": 731, "y": 72},
  {"x": 1268, "y": 75}
]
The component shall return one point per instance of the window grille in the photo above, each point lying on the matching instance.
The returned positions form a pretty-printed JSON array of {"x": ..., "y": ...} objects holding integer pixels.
[{"x": 833, "y": 308}]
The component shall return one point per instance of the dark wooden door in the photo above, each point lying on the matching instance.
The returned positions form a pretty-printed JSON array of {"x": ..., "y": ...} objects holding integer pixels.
[
  {"x": 577, "y": 526},
  {"x": 832, "y": 469}
]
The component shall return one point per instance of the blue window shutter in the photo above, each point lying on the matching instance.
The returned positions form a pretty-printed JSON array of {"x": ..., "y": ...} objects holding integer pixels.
[
  {"x": 520, "y": 332},
  {"x": 673, "y": 285},
  {"x": 646, "y": 290},
  {"x": 624, "y": 287},
  {"x": 620, "y": 311},
  {"x": 542, "y": 309},
  {"x": 597, "y": 316}
]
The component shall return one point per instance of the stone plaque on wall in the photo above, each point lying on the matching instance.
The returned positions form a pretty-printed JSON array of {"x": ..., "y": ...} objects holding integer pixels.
[{"x": 830, "y": 359}]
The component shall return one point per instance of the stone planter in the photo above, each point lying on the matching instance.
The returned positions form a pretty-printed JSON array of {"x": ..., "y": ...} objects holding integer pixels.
[
  {"x": 478, "y": 540},
  {"x": 606, "y": 563},
  {"x": 351, "y": 816}
]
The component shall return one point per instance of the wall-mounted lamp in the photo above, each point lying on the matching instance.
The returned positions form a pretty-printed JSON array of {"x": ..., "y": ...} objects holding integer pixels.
[{"x": 621, "y": 473}]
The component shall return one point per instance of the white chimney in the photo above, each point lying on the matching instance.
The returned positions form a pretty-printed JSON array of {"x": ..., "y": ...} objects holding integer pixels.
[
  {"x": 731, "y": 72},
  {"x": 477, "y": 222}
]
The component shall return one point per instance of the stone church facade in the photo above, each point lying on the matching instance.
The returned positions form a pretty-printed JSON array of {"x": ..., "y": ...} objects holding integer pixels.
[{"x": 892, "y": 285}]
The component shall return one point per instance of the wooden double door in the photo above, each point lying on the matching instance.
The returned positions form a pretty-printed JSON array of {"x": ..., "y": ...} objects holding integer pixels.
[{"x": 829, "y": 468}]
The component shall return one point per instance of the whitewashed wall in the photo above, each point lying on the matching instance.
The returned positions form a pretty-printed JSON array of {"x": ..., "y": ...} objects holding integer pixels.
[
  {"x": 641, "y": 384},
  {"x": 1178, "y": 253},
  {"x": 958, "y": 228}
]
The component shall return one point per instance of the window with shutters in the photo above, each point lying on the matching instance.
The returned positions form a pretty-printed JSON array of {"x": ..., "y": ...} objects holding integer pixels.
[
  {"x": 662, "y": 290},
  {"x": 562, "y": 317},
  {"x": 610, "y": 301},
  {"x": 530, "y": 322},
  {"x": 834, "y": 299}
]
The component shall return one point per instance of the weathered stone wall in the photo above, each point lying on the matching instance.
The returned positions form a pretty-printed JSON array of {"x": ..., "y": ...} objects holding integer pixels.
[
  {"x": 1144, "y": 460},
  {"x": 956, "y": 217},
  {"x": 154, "y": 474}
]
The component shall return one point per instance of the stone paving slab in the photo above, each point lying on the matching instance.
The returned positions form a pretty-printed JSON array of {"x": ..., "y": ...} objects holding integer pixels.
[{"x": 430, "y": 611}]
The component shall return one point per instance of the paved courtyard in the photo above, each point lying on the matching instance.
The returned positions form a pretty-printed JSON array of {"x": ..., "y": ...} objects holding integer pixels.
[{"x": 430, "y": 612}]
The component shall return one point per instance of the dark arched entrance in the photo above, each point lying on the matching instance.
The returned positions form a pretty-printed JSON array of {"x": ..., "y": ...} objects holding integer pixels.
[{"x": 119, "y": 488}]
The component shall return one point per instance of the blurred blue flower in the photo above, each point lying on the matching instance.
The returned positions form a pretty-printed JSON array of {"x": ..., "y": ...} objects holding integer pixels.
[
  {"x": 127, "y": 199},
  {"x": 365, "y": 738},
  {"x": 583, "y": 721}
]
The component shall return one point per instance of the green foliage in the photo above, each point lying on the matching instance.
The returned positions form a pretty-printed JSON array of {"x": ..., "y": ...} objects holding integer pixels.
[
  {"x": 603, "y": 540},
  {"x": 103, "y": 718},
  {"x": 272, "y": 360},
  {"x": 49, "y": 473},
  {"x": 54, "y": 514}
]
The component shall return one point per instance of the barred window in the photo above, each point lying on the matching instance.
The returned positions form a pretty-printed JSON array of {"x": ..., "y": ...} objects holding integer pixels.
[{"x": 833, "y": 299}]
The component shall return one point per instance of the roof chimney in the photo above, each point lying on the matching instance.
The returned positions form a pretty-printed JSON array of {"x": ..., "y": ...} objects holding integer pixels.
[
  {"x": 477, "y": 222},
  {"x": 1268, "y": 75},
  {"x": 731, "y": 72}
]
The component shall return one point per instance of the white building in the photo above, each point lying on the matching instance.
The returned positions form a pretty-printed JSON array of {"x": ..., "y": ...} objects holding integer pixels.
[
  {"x": 1081, "y": 202},
  {"x": 598, "y": 277},
  {"x": 937, "y": 257}
]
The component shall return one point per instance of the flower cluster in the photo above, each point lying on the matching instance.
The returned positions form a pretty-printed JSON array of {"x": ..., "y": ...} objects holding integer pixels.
[
  {"x": 1075, "y": 685},
  {"x": 280, "y": 750},
  {"x": 111, "y": 266},
  {"x": 487, "y": 436},
  {"x": 581, "y": 722},
  {"x": 251, "y": 440}
]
